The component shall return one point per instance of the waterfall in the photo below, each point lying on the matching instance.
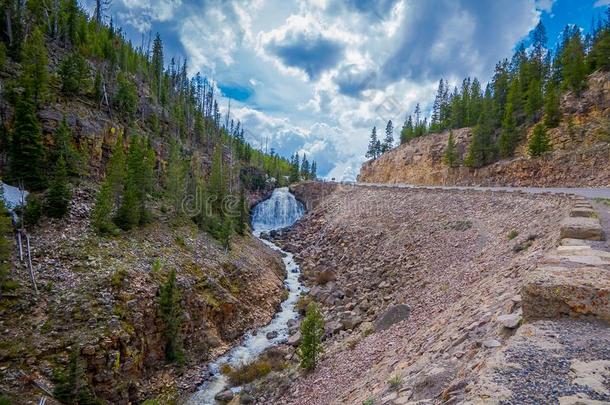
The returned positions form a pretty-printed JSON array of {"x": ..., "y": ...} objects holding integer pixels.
[{"x": 279, "y": 211}]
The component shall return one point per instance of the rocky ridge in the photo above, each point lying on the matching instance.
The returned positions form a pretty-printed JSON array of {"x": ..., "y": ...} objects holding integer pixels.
[{"x": 580, "y": 154}]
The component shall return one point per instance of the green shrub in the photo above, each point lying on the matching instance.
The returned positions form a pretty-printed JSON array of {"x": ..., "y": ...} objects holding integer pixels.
[
  {"x": 512, "y": 234},
  {"x": 312, "y": 330},
  {"x": 71, "y": 387},
  {"x": 246, "y": 373},
  {"x": 395, "y": 382}
]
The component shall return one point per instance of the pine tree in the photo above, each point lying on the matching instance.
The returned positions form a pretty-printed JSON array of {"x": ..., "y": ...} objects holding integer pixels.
[
  {"x": 372, "y": 152},
  {"x": 100, "y": 216},
  {"x": 59, "y": 195},
  {"x": 305, "y": 168},
  {"x": 35, "y": 76},
  {"x": 71, "y": 387},
  {"x": 482, "y": 149},
  {"x": 539, "y": 142},
  {"x": 508, "y": 137},
  {"x": 552, "y": 111},
  {"x": 313, "y": 173},
  {"x": 157, "y": 66},
  {"x": 312, "y": 330},
  {"x": 573, "y": 66},
  {"x": 26, "y": 158},
  {"x": 171, "y": 313},
  {"x": 74, "y": 73},
  {"x": 63, "y": 146},
  {"x": 406, "y": 133},
  {"x": 388, "y": 141},
  {"x": 535, "y": 100},
  {"x": 450, "y": 156},
  {"x": 126, "y": 98}
]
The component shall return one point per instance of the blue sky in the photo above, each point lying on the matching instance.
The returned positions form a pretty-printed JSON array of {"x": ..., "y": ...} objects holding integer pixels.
[{"x": 315, "y": 76}]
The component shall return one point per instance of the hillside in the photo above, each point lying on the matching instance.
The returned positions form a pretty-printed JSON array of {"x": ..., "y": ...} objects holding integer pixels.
[
  {"x": 143, "y": 267},
  {"x": 579, "y": 156},
  {"x": 449, "y": 296}
]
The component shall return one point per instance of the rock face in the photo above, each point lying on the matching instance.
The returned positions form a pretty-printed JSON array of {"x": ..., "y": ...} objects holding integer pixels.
[
  {"x": 580, "y": 154},
  {"x": 392, "y": 315},
  {"x": 582, "y": 228},
  {"x": 312, "y": 193}
]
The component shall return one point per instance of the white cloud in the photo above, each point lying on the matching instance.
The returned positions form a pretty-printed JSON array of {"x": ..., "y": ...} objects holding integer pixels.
[{"x": 601, "y": 3}]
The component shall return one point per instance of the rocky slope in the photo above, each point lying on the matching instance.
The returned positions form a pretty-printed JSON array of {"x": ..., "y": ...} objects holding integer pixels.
[
  {"x": 100, "y": 296},
  {"x": 580, "y": 155},
  {"x": 417, "y": 287}
]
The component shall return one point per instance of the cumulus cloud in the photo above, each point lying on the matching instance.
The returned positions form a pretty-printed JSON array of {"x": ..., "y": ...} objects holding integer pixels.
[
  {"x": 315, "y": 75},
  {"x": 602, "y": 3}
]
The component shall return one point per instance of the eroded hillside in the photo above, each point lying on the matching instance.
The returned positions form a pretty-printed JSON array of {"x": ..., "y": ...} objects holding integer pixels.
[
  {"x": 457, "y": 259},
  {"x": 579, "y": 157}
]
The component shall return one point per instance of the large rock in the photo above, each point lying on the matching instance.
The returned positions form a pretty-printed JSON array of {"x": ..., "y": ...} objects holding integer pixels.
[
  {"x": 555, "y": 291},
  {"x": 295, "y": 339},
  {"x": 391, "y": 316},
  {"x": 224, "y": 396},
  {"x": 582, "y": 228}
]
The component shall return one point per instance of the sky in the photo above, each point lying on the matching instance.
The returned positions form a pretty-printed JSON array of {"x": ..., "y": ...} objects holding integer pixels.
[{"x": 315, "y": 76}]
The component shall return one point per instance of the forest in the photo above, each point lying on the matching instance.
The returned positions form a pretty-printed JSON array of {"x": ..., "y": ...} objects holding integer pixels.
[{"x": 524, "y": 91}]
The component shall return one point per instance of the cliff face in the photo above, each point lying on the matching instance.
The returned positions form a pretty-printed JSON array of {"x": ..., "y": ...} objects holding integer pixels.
[{"x": 580, "y": 155}]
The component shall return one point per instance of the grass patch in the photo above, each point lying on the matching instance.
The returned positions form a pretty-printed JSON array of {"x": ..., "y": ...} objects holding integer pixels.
[
  {"x": 512, "y": 234},
  {"x": 461, "y": 225},
  {"x": 118, "y": 277},
  {"x": 395, "y": 382},
  {"x": 246, "y": 373},
  {"x": 369, "y": 401},
  {"x": 605, "y": 201}
]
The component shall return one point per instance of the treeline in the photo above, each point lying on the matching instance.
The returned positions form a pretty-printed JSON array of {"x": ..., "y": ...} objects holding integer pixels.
[
  {"x": 302, "y": 170},
  {"x": 99, "y": 66},
  {"x": 525, "y": 90}
]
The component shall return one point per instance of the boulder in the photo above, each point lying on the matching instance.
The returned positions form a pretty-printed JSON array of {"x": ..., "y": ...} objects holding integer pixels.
[
  {"x": 510, "y": 321},
  {"x": 491, "y": 343},
  {"x": 582, "y": 228},
  {"x": 332, "y": 327},
  {"x": 224, "y": 396},
  {"x": 272, "y": 335},
  {"x": 295, "y": 339},
  {"x": 392, "y": 315},
  {"x": 579, "y": 292}
]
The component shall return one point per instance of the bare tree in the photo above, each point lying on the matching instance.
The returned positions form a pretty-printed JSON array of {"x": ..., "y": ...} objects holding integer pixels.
[{"x": 101, "y": 7}]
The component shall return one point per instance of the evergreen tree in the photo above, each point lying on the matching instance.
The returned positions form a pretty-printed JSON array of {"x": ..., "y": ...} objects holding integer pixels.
[
  {"x": 313, "y": 175},
  {"x": 372, "y": 149},
  {"x": 573, "y": 66},
  {"x": 71, "y": 386},
  {"x": 388, "y": 141},
  {"x": 539, "y": 142},
  {"x": 552, "y": 111},
  {"x": 218, "y": 183},
  {"x": 171, "y": 313},
  {"x": 406, "y": 133},
  {"x": 157, "y": 66},
  {"x": 295, "y": 169},
  {"x": 126, "y": 98},
  {"x": 482, "y": 149},
  {"x": 508, "y": 137},
  {"x": 312, "y": 330},
  {"x": 74, "y": 73},
  {"x": 242, "y": 214},
  {"x": 534, "y": 100},
  {"x": 59, "y": 195},
  {"x": 450, "y": 157},
  {"x": 305, "y": 168},
  {"x": 100, "y": 216},
  {"x": 63, "y": 146},
  {"x": 26, "y": 156},
  {"x": 35, "y": 76}
]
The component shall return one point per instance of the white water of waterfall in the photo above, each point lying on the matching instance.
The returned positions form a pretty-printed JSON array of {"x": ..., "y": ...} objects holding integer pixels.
[{"x": 279, "y": 211}]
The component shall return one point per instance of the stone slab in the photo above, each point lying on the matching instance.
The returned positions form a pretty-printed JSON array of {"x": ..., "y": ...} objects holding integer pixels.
[
  {"x": 556, "y": 291},
  {"x": 582, "y": 212},
  {"x": 581, "y": 228}
]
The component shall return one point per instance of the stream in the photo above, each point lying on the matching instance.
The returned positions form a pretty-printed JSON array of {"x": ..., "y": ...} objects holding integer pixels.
[{"x": 279, "y": 211}]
